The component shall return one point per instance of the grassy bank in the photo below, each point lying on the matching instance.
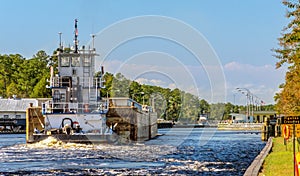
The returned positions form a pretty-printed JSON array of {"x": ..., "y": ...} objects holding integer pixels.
[{"x": 280, "y": 160}]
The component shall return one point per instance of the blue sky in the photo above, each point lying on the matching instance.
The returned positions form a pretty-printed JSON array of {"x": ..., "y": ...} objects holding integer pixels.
[{"x": 242, "y": 33}]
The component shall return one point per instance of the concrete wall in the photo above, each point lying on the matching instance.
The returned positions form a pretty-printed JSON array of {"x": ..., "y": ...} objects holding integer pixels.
[
  {"x": 153, "y": 123},
  {"x": 147, "y": 125}
]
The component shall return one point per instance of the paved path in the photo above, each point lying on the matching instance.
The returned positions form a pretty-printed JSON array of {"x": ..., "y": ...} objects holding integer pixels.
[{"x": 254, "y": 168}]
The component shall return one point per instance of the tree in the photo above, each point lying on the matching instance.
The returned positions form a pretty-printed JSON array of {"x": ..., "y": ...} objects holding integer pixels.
[
  {"x": 135, "y": 90},
  {"x": 120, "y": 86},
  {"x": 37, "y": 69},
  {"x": 166, "y": 95},
  {"x": 189, "y": 108},
  {"x": 19, "y": 76},
  {"x": 174, "y": 104},
  {"x": 217, "y": 111},
  {"x": 108, "y": 79},
  {"x": 40, "y": 90},
  {"x": 10, "y": 70},
  {"x": 288, "y": 99},
  {"x": 203, "y": 106},
  {"x": 158, "y": 102},
  {"x": 12, "y": 90}
]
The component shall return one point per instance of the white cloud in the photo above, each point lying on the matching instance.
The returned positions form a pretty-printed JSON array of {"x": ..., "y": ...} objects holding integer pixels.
[
  {"x": 236, "y": 66},
  {"x": 154, "y": 82},
  {"x": 233, "y": 66},
  {"x": 262, "y": 81}
]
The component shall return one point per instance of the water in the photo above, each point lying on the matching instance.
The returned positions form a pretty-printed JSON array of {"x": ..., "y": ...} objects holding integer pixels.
[{"x": 178, "y": 152}]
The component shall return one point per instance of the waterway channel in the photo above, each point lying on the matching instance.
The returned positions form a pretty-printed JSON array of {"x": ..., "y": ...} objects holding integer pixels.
[{"x": 178, "y": 151}]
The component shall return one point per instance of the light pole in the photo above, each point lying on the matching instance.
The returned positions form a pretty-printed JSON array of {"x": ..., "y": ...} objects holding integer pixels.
[{"x": 249, "y": 100}]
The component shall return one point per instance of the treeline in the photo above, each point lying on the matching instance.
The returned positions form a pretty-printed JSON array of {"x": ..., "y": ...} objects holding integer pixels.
[
  {"x": 27, "y": 78},
  {"x": 170, "y": 104},
  {"x": 288, "y": 54},
  {"x": 24, "y": 77}
]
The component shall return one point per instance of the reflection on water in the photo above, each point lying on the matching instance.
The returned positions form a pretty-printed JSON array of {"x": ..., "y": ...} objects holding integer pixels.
[{"x": 178, "y": 151}]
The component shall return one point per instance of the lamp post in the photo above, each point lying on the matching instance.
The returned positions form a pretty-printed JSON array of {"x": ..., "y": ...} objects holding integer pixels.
[
  {"x": 249, "y": 100},
  {"x": 259, "y": 103}
]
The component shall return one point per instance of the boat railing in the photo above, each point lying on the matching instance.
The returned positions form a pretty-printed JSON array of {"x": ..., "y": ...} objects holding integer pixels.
[
  {"x": 127, "y": 102},
  {"x": 59, "y": 81},
  {"x": 69, "y": 108}
]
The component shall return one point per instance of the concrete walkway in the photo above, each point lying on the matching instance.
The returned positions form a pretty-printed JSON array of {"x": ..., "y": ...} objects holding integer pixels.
[{"x": 257, "y": 163}]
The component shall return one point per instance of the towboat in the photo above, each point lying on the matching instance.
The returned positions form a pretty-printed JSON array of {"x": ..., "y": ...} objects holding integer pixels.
[{"x": 76, "y": 112}]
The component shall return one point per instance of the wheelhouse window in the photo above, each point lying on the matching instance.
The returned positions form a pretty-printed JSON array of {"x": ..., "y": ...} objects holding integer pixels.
[
  {"x": 86, "y": 61},
  {"x": 56, "y": 96},
  {"x": 6, "y": 116},
  {"x": 63, "y": 97},
  {"x": 75, "y": 61},
  {"x": 65, "y": 62}
]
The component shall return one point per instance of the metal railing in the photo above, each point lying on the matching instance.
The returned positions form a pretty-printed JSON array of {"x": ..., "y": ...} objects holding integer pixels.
[
  {"x": 58, "y": 81},
  {"x": 62, "y": 107}
]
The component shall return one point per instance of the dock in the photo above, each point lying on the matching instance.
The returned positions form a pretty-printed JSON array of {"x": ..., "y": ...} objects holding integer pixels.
[
  {"x": 12, "y": 126},
  {"x": 240, "y": 126}
]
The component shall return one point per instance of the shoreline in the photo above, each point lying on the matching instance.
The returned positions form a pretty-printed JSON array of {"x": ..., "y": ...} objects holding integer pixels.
[
  {"x": 280, "y": 160},
  {"x": 257, "y": 163}
]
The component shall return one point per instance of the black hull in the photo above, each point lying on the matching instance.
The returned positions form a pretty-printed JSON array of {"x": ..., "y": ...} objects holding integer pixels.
[
  {"x": 165, "y": 125},
  {"x": 189, "y": 126},
  {"x": 81, "y": 138},
  {"x": 13, "y": 132}
]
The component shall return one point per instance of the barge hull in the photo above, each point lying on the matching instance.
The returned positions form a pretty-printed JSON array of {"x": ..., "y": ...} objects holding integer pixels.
[{"x": 81, "y": 138}]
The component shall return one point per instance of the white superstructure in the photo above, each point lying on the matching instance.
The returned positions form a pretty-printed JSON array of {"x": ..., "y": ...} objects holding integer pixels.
[{"x": 76, "y": 92}]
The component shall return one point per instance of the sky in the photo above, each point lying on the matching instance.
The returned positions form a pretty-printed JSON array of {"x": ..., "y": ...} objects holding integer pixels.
[{"x": 203, "y": 47}]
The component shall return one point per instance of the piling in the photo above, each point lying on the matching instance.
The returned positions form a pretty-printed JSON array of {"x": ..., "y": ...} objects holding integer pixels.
[
  {"x": 34, "y": 120},
  {"x": 278, "y": 128},
  {"x": 266, "y": 129}
]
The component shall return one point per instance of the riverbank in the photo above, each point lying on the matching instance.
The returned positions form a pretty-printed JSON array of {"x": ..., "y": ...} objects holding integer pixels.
[
  {"x": 257, "y": 163},
  {"x": 280, "y": 160}
]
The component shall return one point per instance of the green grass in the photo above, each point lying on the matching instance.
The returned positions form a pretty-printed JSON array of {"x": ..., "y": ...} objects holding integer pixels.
[{"x": 280, "y": 160}]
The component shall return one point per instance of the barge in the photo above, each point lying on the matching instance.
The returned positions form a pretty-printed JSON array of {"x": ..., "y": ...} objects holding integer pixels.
[{"x": 77, "y": 112}]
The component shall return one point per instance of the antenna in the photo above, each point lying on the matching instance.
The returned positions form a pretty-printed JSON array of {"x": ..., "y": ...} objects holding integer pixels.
[
  {"x": 76, "y": 35},
  {"x": 93, "y": 36},
  {"x": 60, "y": 44}
]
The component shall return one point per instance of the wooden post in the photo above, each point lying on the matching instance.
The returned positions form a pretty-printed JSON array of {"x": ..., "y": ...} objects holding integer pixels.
[
  {"x": 34, "y": 119},
  {"x": 28, "y": 125},
  {"x": 294, "y": 150}
]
